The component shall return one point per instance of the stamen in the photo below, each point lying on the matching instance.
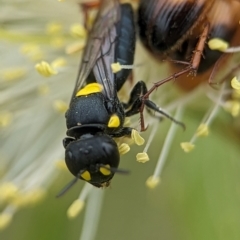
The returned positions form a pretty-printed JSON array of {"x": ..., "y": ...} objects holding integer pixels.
[
  {"x": 45, "y": 69},
  {"x": 137, "y": 138},
  {"x": 187, "y": 146},
  {"x": 77, "y": 206},
  {"x": 59, "y": 62},
  {"x": 123, "y": 148},
  {"x": 154, "y": 180},
  {"x": 13, "y": 74},
  {"x": 235, "y": 83},
  {"x": 116, "y": 67},
  {"x": 54, "y": 28},
  {"x": 218, "y": 44}
]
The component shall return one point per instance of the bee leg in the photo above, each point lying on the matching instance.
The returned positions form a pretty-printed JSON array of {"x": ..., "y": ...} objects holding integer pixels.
[{"x": 126, "y": 131}]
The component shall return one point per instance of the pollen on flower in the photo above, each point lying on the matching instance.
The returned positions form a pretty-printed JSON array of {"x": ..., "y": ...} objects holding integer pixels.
[
  {"x": 5, "y": 119},
  {"x": 60, "y": 106},
  {"x": 8, "y": 191},
  {"x": 5, "y": 220},
  {"x": 116, "y": 67},
  {"x": 78, "y": 30},
  {"x": 152, "y": 182},
  {"x": 75, "y": 208},
  {"x": 142, "y": 157},
  {"x": 233, "y": 107},
  {"x": 235, "y": 83},
  {"x": 236, "y": 94},
  {"x": 54, "y": 28},
  {"x": 57, "y": 42},
  {"x": 202, "y": 130},
  {"x": 13, "y": 74},
  {"x": 187, "y": 146},
  {"x": 137, "y": 138},
  {"x": 123, "y": 148},
  {"x": 45, "y": 69},
  {"x": 218, "y": 44}
]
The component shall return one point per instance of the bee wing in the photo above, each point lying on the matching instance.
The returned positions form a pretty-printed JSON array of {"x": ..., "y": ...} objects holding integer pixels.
[{"x": 99, "y": 47}]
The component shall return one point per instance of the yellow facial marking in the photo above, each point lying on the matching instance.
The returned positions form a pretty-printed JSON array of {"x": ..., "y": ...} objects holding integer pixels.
[
  {"x": 114, "y": 121},
  {"x": 90, "y": 88},
  {"x": 105, "y": 170},
  {"x": 86, "y": 175}
]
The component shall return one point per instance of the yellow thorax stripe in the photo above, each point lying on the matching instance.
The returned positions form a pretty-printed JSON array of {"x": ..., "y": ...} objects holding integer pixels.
[{"x": 89, "y": 89}]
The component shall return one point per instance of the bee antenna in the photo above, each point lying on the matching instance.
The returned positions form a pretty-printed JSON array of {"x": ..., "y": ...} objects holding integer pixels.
[{"x": 67, "y": 187}]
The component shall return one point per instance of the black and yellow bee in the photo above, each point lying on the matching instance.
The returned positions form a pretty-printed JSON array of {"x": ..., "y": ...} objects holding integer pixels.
[{"x": 96, "y": 115}]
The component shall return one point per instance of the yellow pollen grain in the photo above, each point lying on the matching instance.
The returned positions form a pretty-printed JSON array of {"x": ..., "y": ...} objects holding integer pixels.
[
  {"x": 5, "y": 220},
  {"x": 123, "y": 148},
  {"x": 152, "y": 182},
  {"x": 8, "y": 191},
  {"x": 233, "y": 107},
  {"x": 187, "y": 146},
  {"x": 142, "y": 157},
  {"x": 59, "y": 62},
  {"x": 75, "y": 47},
  {"x": 5, "y": 119},
  {"x": 137, "y": 138},
  {"x": 54, "y": 28},
  {"x": 45, "y": 69},
  {"x": 13, "y": 74},
  {"x": 235, "y": 83},
  {"x": 114, "y": 121},
  {"x": 78, "y": 30},
  {"x": 60, "y": 106},
  {"x": 116, "y": 67},
  {"x": 218, "y": 44},
  {"x": 75, "y": 208},
  {"x": 105, "y": 170},
  {"x": 61, "y": 165},
  {"x": 202, "y": 130}
]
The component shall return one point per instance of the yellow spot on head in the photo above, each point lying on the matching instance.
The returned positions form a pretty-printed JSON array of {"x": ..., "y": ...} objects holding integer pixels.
[
  {"x": 187, "y": 146},
  {"x": 218, "y": 44},
  {"x": 5, "y": 220},
  {"x": 142, "y": 157},
  {"x": 89, "y": 89},
  {"x": 60, "y": 106},
  {"x": 114, "y": 121},
  {"x": 86, "y": 175},
  {"x": 105, "y": 170},
  {"x": 78, "y": 30},
  {"x": 123, "y": 148},
  {"x": 137, "y": 138},
  {"x": 235, "y": 83},
  {"x": 75, "y": 208},
  {"x": 45, "y": 69},
  {"x": 202, "y": 130},
  {"x": 116, "y": 67},
  {"x": 152, "y": 182}
]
